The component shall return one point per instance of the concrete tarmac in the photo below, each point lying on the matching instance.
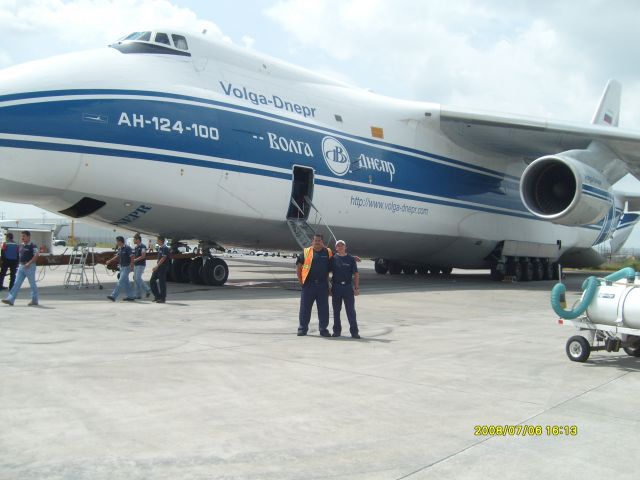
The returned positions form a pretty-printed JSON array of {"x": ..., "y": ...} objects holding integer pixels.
[{"x": 215, "y": 384}]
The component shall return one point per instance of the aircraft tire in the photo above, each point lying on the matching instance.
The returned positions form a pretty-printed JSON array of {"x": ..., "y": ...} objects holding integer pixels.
[
  {"x": 433, "y": 271},
  {"x": 395, "y": 268},
  {"x": 496, "y": 275},
  {"x": 195, "y": 271},
  {"x": 538, "y": 270},
  {"x": 548, "y": 270},
  {"x": 177, "y": 271},
  {"x": 215, "y": 272},
  {"x": 446, "y": 271},
  {"x": 381, "y": 266},
  {"x": 527, "y": 271},
  {"x": 578, "y": 349},
  {"x": 423, "y": 270},
  {"x": 409, "y": 270},
  {"x": 514, "y": 268}
]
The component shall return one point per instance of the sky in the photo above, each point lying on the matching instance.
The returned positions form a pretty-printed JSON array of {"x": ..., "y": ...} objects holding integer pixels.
[{"x": 540, "y": 58}]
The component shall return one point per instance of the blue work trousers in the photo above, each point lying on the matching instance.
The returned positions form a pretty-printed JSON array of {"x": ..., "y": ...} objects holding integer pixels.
[
  {"x": 30, "y": 274},
  {"x": 141, "y": 286},
  {"x": 317, "y": 292},
  {"x": 344, "y": 293},
  {"x": 159, "y": 282},
  {"x": 123, "y": 283}
]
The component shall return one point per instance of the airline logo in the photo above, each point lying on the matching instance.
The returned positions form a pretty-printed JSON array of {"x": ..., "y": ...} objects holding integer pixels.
[
  {"x": 244, "y": 93},
  {"x": 335, "y": 156}
]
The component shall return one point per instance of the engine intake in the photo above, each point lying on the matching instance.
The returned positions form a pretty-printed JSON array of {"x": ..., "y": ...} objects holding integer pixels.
[{"x": 565, "y": 191}]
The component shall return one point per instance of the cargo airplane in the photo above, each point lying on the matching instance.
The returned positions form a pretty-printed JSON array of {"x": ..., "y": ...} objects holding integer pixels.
[{"x": 172, "y": 133}]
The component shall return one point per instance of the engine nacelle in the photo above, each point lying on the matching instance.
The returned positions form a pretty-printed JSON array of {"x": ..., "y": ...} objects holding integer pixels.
[{"x": 566, "y": 191}]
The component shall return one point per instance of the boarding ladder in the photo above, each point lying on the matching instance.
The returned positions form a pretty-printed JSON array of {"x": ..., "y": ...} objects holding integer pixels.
[
  {"x": 82, "y": 259},
  {"x": 300, "y": 227}
]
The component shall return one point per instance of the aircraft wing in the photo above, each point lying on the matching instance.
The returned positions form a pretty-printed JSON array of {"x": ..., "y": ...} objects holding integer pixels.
[{"x": 530, "y": 138}]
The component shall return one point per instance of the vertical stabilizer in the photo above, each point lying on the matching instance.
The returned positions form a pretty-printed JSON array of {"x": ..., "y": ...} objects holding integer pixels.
[{"x": 608, "y": 111}]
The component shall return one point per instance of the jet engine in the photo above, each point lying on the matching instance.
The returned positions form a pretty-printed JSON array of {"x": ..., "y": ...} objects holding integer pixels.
[{"x": 565, "y": 191}]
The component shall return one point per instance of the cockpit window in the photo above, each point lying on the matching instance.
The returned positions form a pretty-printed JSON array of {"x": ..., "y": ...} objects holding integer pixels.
[
  {"x": 144, "y": 36},
  {"x": 162, "y": 38},
  {"x": 180, "y": 42},
  {"x": 153, "y": 42}
]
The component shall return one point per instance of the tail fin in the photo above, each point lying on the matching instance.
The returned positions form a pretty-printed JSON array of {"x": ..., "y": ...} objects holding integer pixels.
[{"x": 608, "y": 111}]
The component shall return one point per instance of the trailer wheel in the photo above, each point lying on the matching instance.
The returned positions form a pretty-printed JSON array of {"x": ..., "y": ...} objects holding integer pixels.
[
  {"x": 578, "y": 349},
  {"x": 633, "y": 350}
]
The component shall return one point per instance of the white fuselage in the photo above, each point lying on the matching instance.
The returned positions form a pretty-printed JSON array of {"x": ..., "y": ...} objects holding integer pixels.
[{"x": 204, "y": 147}]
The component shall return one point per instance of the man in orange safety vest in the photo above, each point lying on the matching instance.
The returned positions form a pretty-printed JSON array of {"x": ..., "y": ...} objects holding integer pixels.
[{"x": 313, "y": 267}]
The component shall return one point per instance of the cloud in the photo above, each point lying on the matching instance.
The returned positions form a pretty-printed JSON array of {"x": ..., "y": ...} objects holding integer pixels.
[
  {"x": 38, "y": 28},
  {"x": 518, "y": 56}
]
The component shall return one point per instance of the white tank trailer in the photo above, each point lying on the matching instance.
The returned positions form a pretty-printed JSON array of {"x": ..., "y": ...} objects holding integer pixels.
[{"x": 607, "y": 315}]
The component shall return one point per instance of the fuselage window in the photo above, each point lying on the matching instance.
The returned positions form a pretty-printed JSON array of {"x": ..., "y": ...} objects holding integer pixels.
[
  {"x": 144, "y": 36},
  {"x": 180, "y": 42},
  {"x": 162, "y": 38}
]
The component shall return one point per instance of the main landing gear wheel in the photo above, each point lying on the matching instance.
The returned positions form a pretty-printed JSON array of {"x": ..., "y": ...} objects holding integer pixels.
[
  {"x": 538, "y": 270},
  {"x": 195, "y": 271},
  {"x": 423, "y": 270},
  {"x": 381, "y": 266},
  {"x": 395, "y": 268},
  {"x": 446, "y": 270},
  {"x": 180, "y": 270},
  {"x": 514, "y": 269},
  {"x": 527, "y": 271},
  {"x": 497, "y": 275},
  {"x": 409, "y": 270},
  {"x": 578, "y": 349},
  {"x": 548, "y": 270},
  {"x": 215, "y": 272}
]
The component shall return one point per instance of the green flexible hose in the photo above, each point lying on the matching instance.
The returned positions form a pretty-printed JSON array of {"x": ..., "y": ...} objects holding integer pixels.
[{"x": 589, "y": 286}]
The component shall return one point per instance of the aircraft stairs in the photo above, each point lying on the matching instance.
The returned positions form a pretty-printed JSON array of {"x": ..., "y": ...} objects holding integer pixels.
[
  {"x": 301, "y": 226},
  {"x": 81, "y": 260}
]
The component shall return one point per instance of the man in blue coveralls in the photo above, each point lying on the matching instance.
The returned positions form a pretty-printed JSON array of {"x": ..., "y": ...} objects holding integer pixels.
[
  {"x": 345, "y": 284},
  {"x": 158, "y": 279},
  {"x": 125, "y": 257},
  {"x": 10, "y": 251},
  {"x": 312, "y": 268},
  {"x": 27, "y": 258}
]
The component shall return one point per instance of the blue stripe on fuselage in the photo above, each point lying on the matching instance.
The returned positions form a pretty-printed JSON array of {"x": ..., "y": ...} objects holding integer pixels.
[
  {"x": 247, "y": 138},
  {"x": 173, "y": 96}
]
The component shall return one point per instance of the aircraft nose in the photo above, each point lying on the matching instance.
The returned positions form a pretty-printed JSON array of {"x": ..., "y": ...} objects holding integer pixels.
[{"x": 35, "y": 164}]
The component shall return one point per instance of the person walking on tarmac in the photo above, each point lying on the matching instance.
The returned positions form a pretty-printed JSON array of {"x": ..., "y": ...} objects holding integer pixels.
[
  {"x": 125, "y": 256},
  {"x": 139, "y": 264},
  {"x": 27, "y": 258},
  {"x": 345, "y": 271},
  {"x": 10, "y": 252},
  {"x": 159, "y": 276},
  {"x": 312, "y": 268}
]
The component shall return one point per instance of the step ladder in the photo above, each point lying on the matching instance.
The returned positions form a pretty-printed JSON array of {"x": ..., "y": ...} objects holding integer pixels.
[
  {"x": 300, "y": 226},
  {"x": 82, "y": 259}
]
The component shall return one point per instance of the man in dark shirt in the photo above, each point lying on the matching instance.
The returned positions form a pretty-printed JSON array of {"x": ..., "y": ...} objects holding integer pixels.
[
  {"x": 345, "y": 284},
  {"x": 312, "y": 268},
  {"x": 27, "y": 258},
  {"x": 10, "y": 252},
  {"x": 139, "y": 264},
  {"x": 125, "y": 257},
  {"x": 159, "y": 276}
]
